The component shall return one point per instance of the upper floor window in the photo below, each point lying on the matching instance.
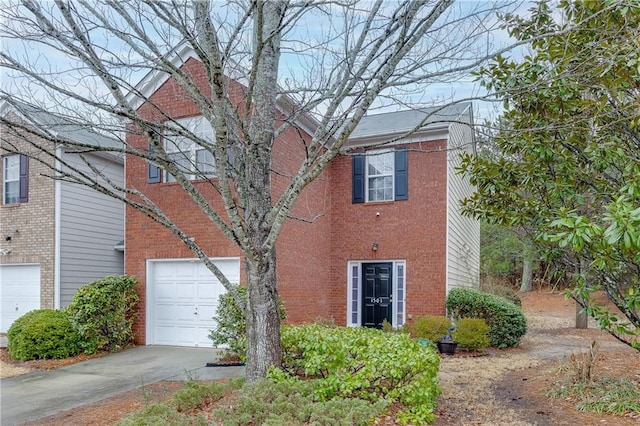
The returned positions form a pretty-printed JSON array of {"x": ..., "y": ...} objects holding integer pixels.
[
  {"x": 380, "y": 175},
  {"x": 195, "y": 161},
  {"x": 15, "y": 178}
]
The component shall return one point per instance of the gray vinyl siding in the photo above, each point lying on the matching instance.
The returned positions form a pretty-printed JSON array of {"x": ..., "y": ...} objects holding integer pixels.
[
  {"x": 463, "y": 233},
  {"x": 91, "y": 224}
]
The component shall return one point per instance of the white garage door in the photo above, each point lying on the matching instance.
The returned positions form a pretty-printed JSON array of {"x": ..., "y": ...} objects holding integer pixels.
[
  {"x": 19, "y": 292},
  {"x": 182, "y": 300}
]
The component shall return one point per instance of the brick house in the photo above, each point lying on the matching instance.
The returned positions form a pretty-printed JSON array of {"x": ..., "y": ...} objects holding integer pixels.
[
  {"x": 55, "y": 236},
  {"x": 387, "y": 240}
]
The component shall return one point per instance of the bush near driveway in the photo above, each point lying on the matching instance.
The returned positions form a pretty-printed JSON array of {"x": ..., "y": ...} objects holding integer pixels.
[
  {"x": 363, "y": 363},
  {"x": 42, "y": 334},
  {"x": 231, "y": 326},
  {"x": 506, "y": 321},
  {"x": 103, "y": 312}
]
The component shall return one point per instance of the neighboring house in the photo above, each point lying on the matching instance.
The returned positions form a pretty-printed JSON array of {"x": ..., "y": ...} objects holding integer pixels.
[
  {"x": 387, "y": 240},
  {"x": 55, "y": 236}
]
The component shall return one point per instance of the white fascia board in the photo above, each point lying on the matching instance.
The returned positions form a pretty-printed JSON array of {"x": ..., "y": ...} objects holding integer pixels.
[
  {"x": 426, "y": 135},
  {"x": 151, "y": 82}
]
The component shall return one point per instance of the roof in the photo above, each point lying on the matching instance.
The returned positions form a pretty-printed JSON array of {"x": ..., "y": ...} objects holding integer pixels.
[
  {"x": 405, "y": 121},
  {"x": 376, "y": 125},
  {"x": 61, "y": 127}
]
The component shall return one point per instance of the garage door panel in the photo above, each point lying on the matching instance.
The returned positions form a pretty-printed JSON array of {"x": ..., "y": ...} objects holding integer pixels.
[
  {"x": 184, "y": 300},
  {"x": 207, "y": 311},
  {"x": 186, "y": 291},
  {"x": 165, "y": 290},
  {"x": 208, "y": 293},
  {"x": 165, "y": 312}
]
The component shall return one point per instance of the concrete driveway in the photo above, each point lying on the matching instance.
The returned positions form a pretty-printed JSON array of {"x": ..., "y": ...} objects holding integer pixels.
[{"x": 43, "y": 393}]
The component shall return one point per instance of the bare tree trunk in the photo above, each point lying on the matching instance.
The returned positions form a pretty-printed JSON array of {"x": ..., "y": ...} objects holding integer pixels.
[
  {"x": 527, "y": 274},
  {"x": 582, "y": 319},
  {"x": 263, "y": 318}
]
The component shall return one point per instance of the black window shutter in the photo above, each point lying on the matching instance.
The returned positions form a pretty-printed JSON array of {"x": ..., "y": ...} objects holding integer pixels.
[
  {"x": 153, "y": 172},
  {"x": 24, "y": 179},
  {"x": 401, "y": 175},
  {"x": 358, "y": 179}
]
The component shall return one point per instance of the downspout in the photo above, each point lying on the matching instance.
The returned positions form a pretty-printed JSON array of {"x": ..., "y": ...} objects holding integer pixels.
[{"x": 56, "y": 256}]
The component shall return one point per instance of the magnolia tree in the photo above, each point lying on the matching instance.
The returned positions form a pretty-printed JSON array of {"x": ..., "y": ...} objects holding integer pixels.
[
  {"x": 331, "y": 61},
  {"x": 569, "y": 169}
]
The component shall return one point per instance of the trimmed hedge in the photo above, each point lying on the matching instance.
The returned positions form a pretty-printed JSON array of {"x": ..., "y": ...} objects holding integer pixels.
[
  {"x": 363, "y": 363},
  {"x": 506, "y": 321},
  {"x": 42, "y": 334},
  {"x": 430, "y": 327},
  {"x": 103, "y": 312},
  {"x": 472, "y": 333}
]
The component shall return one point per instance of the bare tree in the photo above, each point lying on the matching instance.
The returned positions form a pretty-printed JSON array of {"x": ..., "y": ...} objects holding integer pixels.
[{"x": 268, "y": 64}]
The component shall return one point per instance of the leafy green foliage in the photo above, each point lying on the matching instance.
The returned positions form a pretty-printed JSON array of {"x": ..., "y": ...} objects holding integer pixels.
[
  {"x": 195, "y": 395},
  {"x": 506, "y": 321},
  {"x": 502, "y": 249},
  {"x": 569, "y": 163},
  {"x": 293, "y": 403},
  {"x": 430, "y": 327},
  {"x": 231, "y": 326},
  {"x": 365, "y": 364},
  {"x": 263, "y": 403},
  {"x": 41, "y": 334},
  {"x": 103, "y": 313},
  {"x": 156, "y": 414},
  {"x": 472, "y": 333}
]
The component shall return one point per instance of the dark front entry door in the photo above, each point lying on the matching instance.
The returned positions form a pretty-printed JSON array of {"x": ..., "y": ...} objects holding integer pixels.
[{"x": 376, "y": 301}]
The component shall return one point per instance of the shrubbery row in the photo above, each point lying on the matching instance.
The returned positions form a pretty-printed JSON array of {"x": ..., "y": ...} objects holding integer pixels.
[
  {"x": 99, "y": 318},
  {"x": 363, "y": 363}
]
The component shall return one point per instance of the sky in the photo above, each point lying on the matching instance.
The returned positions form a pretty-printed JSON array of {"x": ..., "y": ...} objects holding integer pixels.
[{"x": 55, "y": 66}]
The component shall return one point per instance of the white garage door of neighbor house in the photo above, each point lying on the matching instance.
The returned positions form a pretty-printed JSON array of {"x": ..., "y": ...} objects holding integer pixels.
[
  {"x": 183, "y": 298},
  {"x": 19, "y": 292}
]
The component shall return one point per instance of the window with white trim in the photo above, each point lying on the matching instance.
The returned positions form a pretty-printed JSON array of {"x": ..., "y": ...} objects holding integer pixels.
[
  {"x": 195, "y": 161},
  {"x": 15, "y": 179},
  {"x": 380, "y": 176}
]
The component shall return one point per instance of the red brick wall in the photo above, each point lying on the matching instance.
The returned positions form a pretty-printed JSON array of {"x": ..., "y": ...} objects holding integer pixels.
[
  {"x": 302, "y": 251},
  {"x": 413, "y": 230}
]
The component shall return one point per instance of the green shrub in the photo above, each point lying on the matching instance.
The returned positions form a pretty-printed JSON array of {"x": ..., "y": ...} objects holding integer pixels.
[
  {"x": 103, "y": 312},
  {"x": 430, "y": 327},
  {"x": 155, "y": 414},
  {"x": 41, "y": 334},
  {"x": 472, "y": 333},
  {"x": 194, "y": 395},
  {"x": 365, "y": 364},
  {"x": 506, "y": 321},
  {"x": 292, "y": 403},
  {"x": 230, "y": 325}
]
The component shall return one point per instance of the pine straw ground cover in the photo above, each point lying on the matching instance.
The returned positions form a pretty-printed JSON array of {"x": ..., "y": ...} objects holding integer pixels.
[{"x": 501, "y": 387}]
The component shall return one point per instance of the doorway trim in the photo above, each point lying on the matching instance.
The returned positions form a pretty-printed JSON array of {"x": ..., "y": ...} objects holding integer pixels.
[{"x": 355, "y": 292}]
